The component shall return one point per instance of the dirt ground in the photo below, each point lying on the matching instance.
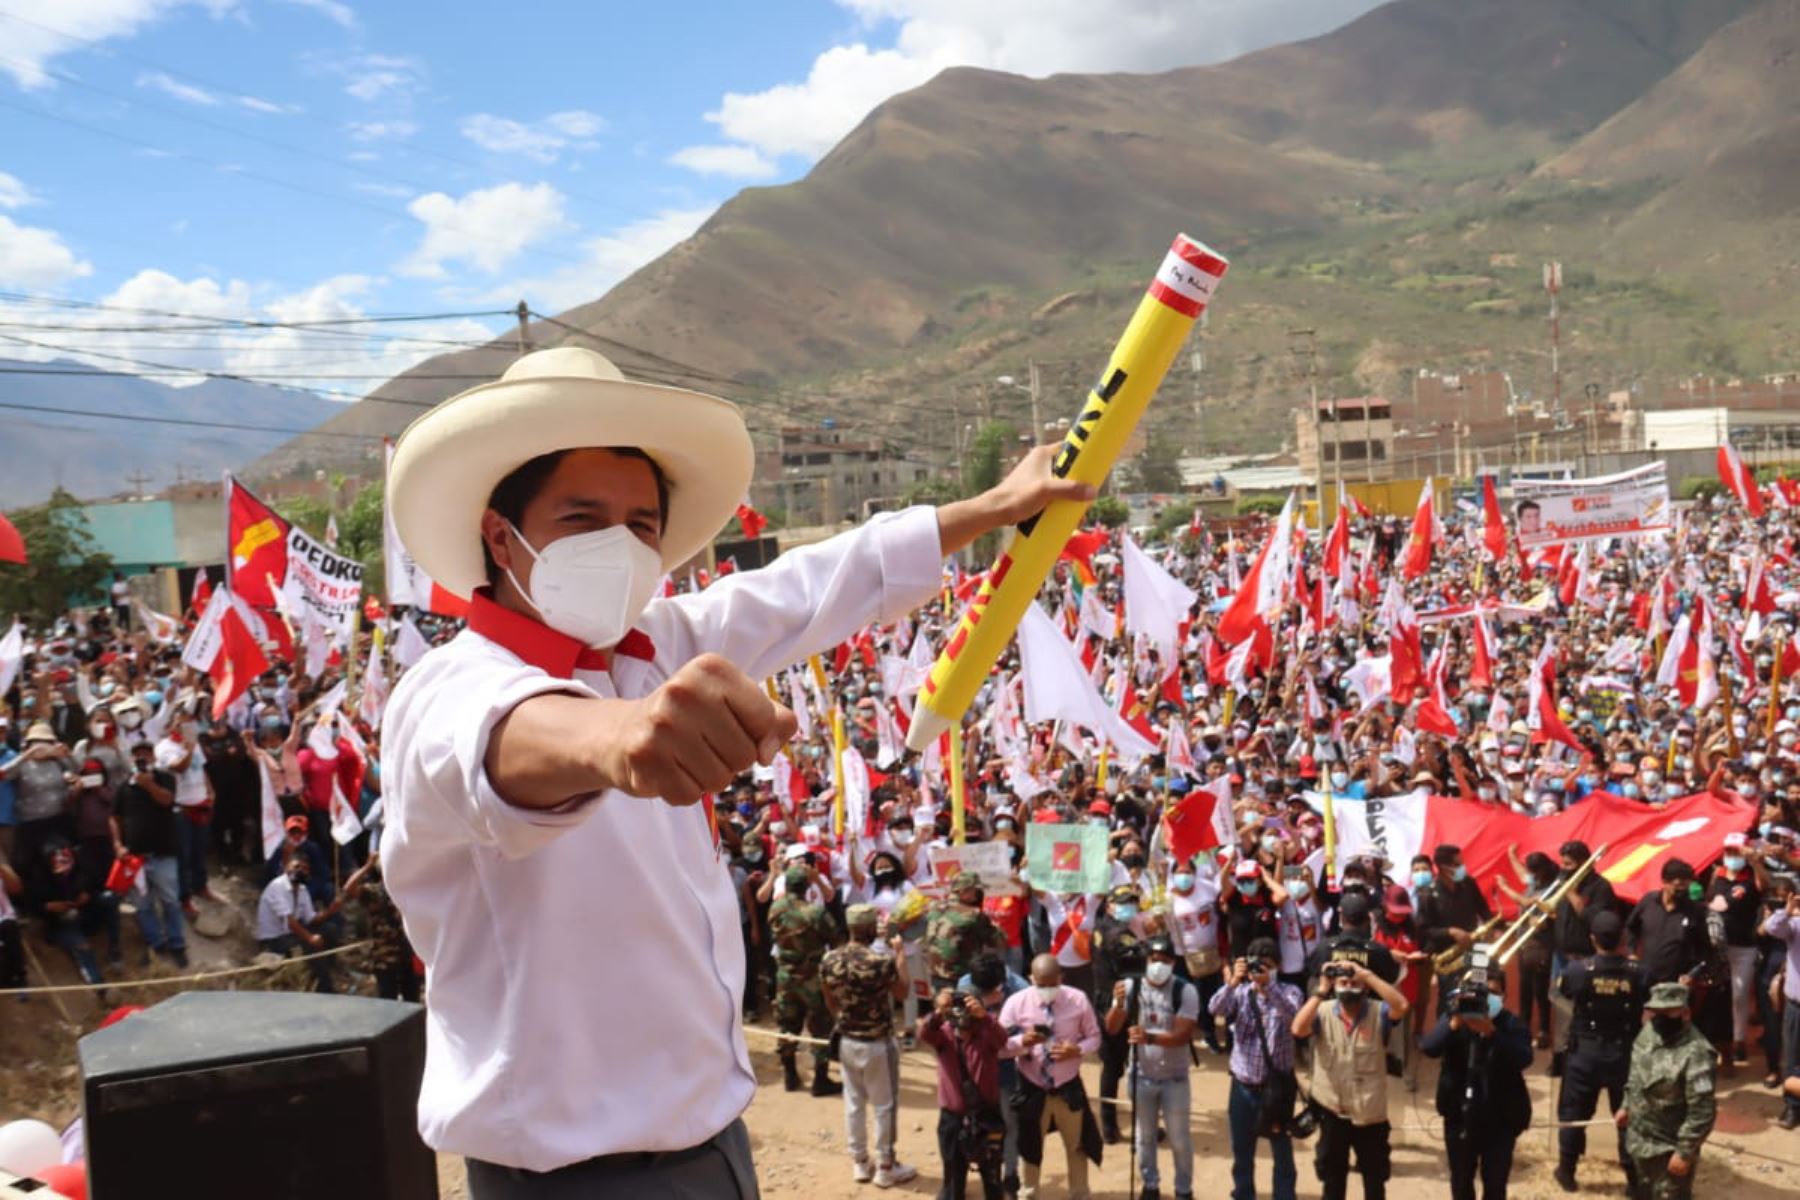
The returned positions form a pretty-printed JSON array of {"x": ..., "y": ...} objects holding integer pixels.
[{"x": 799, "y": 1140}]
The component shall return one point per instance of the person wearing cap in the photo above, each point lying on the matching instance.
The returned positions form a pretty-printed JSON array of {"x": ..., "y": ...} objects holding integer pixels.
[
  {"x": 1260, "y": 1011},
  {"x": 802, "y": 931},
  {"x": 40, "y": 776},
  {"x": 1157, "y": 1014},
  {"x": 1349, "y": 1015},
  {"x": 1670, "y": 1098},
  {"x": 1607, "y": 992},
  {"x": 72, "y": 913},
  {"x": 957, "y": 932},
  {"x": 1250, "y": 897},
  {"x": 547, "y": 760},
  {"x": 1736, "y": 894},
  {"x": 1393, "y": 931},
  {"x": 860, "y": 981},
  {"x": 1194, "y": 926}
]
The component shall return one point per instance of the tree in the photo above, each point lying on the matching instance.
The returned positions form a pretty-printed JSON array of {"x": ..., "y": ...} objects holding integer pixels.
[
  {"x": 1172, "y": 520},
  {"x": 984, "y": 463},
  {"x": 1110, "y": 511},
  {"x": 63, "y": 567},
  {"x": 1158, "y": 468},
  {"x": 359, "y": 530},
  {"x": 931, "y": 491}
]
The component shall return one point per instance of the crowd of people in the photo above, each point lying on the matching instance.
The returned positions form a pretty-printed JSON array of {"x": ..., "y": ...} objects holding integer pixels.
[{"x": 1312, "y": 984}]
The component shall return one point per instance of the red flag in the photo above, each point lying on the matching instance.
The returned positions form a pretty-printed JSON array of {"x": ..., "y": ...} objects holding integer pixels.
[
  {"x": 752, "y": 522},
  {"x": 1337, "y": 542},
  {"x": 1260, "y": 593},
  {"x": 728, "y": 566},
  {"x": 1547, "y": 723},
  {"x": 1739, "y": 480},
  {"x": 1493, "y": 533},
  {"x": 256, "y": 547},
  {"x": 1481, "y": 672},
  {"x": 1758, "y": 596},
  {"x": 1190, "y": 824},
  {"x": 1080, "y": 549},
  {"x": 1434, "y": 711},
  {"x": 202, "y": 593},
  {"x": 239, "y": 663},
  {"x": 12, "y": 545},
  {"x": 1427, "y": 531}
]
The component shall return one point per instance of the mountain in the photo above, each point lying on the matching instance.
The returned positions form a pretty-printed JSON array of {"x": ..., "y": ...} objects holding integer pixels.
[
  {"x": 1380, "y": 183},
  {"x": 95, "y": 457}
]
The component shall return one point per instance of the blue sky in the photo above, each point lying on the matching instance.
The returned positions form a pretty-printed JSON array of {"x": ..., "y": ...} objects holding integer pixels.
[{"x": 305, "y": 160}]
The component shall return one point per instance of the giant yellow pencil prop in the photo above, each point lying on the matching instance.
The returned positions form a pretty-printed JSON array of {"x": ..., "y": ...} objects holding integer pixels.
[{"x": 1180, "y": 292}]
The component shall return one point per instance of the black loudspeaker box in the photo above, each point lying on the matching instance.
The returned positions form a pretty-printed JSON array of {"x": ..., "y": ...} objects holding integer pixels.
[{"x": 283, "y": 1095}]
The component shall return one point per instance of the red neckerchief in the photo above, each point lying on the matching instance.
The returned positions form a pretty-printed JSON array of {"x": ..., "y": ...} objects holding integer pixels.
[{"x": 549, "y": 650}]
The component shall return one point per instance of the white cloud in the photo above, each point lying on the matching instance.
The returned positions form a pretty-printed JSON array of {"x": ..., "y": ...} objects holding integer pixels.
[
  {"x": 258, "y": 104},
  {"x": 31, "y": 257},
  {"x": 805, "y": 118},
  {"x": 370, "y": 77},
  {"x": 170, "y": 86},
  {"x": 375, "y": 131},
  {"x": 733, "y": 162},
  {"x": 392, "y": 191},
  {"x": 542, "y": 142},
  {"x": 35, "y": 32},
  {"x": 484, "y": 229},
  {"x": 606, "y": 260},
  {"x": 13, "y": 193},
  {"x": 331, "y": 10}
]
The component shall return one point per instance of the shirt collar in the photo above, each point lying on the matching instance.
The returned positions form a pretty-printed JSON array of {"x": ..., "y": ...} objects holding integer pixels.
[{"x": 550, "y": 650}]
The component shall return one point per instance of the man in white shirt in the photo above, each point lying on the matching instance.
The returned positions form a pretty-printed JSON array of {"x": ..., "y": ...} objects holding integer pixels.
[
  {"x": 179, "y": 754},
  {"x": 542, "y": 839}
]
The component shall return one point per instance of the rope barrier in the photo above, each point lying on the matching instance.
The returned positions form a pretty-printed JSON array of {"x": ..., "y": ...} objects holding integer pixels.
[{"x": 203, "y": 976}]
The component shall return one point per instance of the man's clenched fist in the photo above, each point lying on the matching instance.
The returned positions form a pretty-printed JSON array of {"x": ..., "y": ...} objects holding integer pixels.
[{"x": 696, "y": 733}]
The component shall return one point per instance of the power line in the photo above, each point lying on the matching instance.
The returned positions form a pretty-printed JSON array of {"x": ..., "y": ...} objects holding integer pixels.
[{"x": 149, "y": 420}]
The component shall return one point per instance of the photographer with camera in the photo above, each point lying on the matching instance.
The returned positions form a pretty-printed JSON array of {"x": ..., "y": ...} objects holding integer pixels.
[
  {"x": 1157, "y": 1013},
  {"x": 1050, "y": 1028},
  {"x": 1118, "y": 956},
  {"x": 1260, "y": 1010},
  {"x": 1481, "y": 1090},
  {"x": 1349, "y": 1074},
  {"x": 1784, "y": 926},
  {"x": 971, "y": 1129}
]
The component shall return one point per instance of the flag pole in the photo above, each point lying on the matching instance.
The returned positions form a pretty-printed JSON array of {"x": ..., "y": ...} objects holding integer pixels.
[
  {"x": 958, "y": 800},
  {"x": 837, "y": 749},
  {"x": 1775, "y": 685},
  {"x": 1330, "y": 835},
  {"x": 1731, "y": 738}
]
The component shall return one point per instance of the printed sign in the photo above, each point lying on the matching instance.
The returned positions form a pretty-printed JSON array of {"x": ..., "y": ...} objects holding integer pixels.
[
  {"x": 1552, "y": 512},
  {"x": 1068, "y": 858}
]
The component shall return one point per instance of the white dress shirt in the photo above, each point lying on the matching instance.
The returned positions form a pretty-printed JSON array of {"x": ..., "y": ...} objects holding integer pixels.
[{"x": 585, "y": 964}]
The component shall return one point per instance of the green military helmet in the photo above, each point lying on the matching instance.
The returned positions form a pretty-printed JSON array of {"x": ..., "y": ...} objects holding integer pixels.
[{"x": 965, "y": 881}]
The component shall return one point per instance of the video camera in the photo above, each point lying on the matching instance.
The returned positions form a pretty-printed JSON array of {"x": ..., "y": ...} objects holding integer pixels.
[{"x": 1471, "y": 996}]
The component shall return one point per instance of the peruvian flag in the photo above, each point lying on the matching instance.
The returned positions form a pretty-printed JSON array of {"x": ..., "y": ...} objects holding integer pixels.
[
  {"x": 1759, "y": 597},
  {"x": 1427, "y": 531},
  {"x": 1481, "y": 671},
  {"x": 1739, "y": 479},
  {"x": 1195, "y": 824},
  {"x": 1260, "y": 594},
  {"x": 407, "y": 582},
  {"x": 1493, "y": 532},
  {"x": 223, "y": 647},
  {"x": 1337, "y": 542},
  {"x": 1545, "y": 722},
  {"x": 256, "y": 547},
  {"x": 1434, "y": 711},
  {"x": 752, "y": 522}
]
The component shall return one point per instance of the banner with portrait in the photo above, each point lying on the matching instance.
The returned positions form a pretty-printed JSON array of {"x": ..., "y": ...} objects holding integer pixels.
[{"x": 1553, "y": 512}]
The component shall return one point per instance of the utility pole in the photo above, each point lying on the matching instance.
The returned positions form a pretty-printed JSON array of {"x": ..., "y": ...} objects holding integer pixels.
[
  {"x": 1553, "y": 285},
  {"x": 1310, "y": 352},
  {"x": 524, "y": 314},
  {"x": 137, "y": 480},
  {"x": 1031, "y": 376}
]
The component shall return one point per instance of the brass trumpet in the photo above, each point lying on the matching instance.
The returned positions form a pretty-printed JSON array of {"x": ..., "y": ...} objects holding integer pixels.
[
  {"x": 1533, "y": 915},
  {"x": 1449, "y": 961}
]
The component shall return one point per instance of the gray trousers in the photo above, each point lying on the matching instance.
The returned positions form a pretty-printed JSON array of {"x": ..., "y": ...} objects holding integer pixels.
[
  {"x": 716, "y": 1169},
  {"x": 871, "y": 1084}
]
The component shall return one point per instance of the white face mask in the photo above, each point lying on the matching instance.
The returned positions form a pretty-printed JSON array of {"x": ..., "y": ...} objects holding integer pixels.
[
  {"x": 591, "y": 586},
  {"x": 1048, "y": 994},
  {"x": 1159, "y": 973}
]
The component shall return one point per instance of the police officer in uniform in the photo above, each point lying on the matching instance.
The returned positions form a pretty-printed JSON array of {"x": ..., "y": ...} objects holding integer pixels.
[
  {"x": 802, "y": 932},
  {"x": 1119, "y": 954},
  {"x": 1670, "y": 1101},
  {"x": 957, "y": 933},
  {"x": 1607, "y": 992}
]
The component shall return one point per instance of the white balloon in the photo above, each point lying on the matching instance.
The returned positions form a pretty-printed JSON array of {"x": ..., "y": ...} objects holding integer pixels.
[{"x": 27, "y": 1147}]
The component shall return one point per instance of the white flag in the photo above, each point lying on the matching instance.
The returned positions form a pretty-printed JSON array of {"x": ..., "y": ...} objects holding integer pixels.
[
  {"x": 12, "y": 653},
  {"x": 1156, "y": 604},
  {"x": 856, "y": 791},
  {"x": 409, "y": 644},
  {"x": 344, "y": 823},
  {"x": 1057, "y": 688},
  {"x": 374, "y": 691},
  {"x": 271, "y": 814},
  {"x": 887, "y": 735}
]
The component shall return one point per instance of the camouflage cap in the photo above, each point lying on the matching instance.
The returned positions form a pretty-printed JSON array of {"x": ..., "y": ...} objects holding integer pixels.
[
  {"x": 862, "y": 917},
  {"x": 798, "y": 880},
  {"x": 1668, "y": 995},
  {"x": 965, "y": 881}
]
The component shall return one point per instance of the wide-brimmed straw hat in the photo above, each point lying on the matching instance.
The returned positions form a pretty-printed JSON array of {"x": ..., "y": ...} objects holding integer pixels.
[{"x": 448, "y": 461}]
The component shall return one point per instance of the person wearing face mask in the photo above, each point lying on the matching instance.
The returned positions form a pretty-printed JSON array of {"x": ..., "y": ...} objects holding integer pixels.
[
  {"x": 1351, "y": 1011},
  {"x": 102, "y": 744},
  {"x": 1194, "y": 927},
  {"x": 1481, "y": 1091},
  {"x": 1298, "y": 924},
  {"x": 1735, "y": 894},
  {"x": 1050, "y": 1028},
  {"x": 286, "y": 920},
  {"x": 1130, "y": 868},
  {"x": 1607, "y": 993},
  {"x": 1260, "y": 1010},
  {"x": 1157, "y": 1013},
  {"x": 548, "y": 759},
  {"x": 1782, "y": 927},
  {"x": 1118, "y": 955},
  {"x": 180, "y": 755},
  {"x": 1670, "y": 1098},
  {"x": 957, "y": 932},
  {"x": 1668, "y": 927},
  {"x": 1451, "y": 907}
]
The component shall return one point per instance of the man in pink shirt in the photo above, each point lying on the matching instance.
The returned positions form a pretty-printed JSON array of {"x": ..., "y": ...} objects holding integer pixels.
[{"x": 1050, "y": 1029}]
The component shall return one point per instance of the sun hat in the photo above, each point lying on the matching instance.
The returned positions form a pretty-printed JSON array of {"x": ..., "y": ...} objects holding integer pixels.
[
  {"x": 39, "y": 731},
  {"x": 448, "y": 461}
]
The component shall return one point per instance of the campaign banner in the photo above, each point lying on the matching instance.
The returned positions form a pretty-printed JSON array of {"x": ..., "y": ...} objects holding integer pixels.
[
  {"x": 990, "y": 860},
  {"x": 322, "y": 585},
  {"x": 1552, "y": 512},
  {"x": 1068, "y": 859}
]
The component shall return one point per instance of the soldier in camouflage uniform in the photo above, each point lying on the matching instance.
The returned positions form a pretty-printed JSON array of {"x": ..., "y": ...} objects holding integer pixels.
[
  {"x": 861, "y": 981},
  {"x": 1669, "y": 1100},
  {"x": 390, "y": 953},
  {"x": 802, "y": 933},
  {"x": 957, "y": 932}
]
